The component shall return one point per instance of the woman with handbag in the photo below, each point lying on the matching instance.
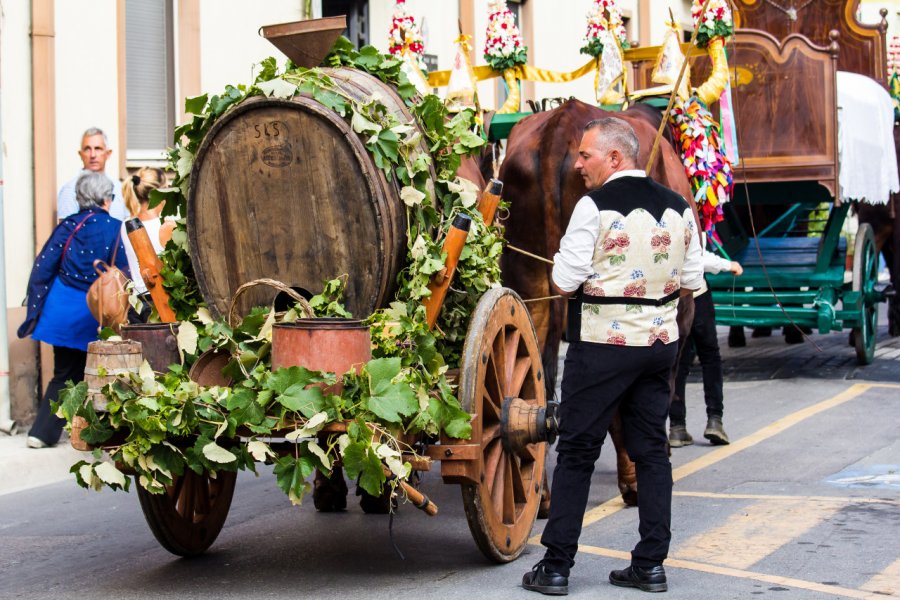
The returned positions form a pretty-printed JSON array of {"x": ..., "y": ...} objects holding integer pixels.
[{"x": 57, "y": 311}]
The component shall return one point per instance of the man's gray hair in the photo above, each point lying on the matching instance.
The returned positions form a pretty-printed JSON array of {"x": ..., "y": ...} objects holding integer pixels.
[
  {"x": 95, "y": 131},
  {"x": 616, "y": 134},
  {"x": 92, "y": 189}
]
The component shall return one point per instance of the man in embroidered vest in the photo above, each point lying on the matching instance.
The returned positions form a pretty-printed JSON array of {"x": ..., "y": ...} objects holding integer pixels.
[{"x": 630, "y": 250}]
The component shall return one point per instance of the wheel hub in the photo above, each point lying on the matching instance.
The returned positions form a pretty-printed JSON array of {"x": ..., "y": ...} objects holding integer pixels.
[{"x": 522, "y": 423}]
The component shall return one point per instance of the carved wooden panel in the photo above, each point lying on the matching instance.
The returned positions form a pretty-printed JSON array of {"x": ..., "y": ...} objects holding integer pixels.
[
  {"x": 785, "y": 102},
  {"x": 863, "y": 48}
]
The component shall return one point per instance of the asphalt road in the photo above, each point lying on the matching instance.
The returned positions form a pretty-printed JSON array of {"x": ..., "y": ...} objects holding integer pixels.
[{"x": 804, "y": 504}]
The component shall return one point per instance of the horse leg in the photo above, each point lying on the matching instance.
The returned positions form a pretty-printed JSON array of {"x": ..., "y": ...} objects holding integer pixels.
[
  {"x": 330, "y": 493},
  {"x": 736, "y": 337},
  {"x": 624, "y": 466}
]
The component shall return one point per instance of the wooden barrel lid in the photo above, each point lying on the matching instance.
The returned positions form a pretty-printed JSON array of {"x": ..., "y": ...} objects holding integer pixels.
[{"x": 114, "y": 347}]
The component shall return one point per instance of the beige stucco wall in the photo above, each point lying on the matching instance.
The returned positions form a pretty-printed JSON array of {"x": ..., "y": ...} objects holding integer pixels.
[
  {"x": 229, "y": 40},
  {"x": 86, "y": 81},
  {"x": 18, "y": 189}
]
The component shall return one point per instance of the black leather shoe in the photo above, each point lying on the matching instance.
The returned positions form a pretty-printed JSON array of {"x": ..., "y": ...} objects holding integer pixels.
[
  {"x": 649, "y": 580},
  {"x": 539, "y": 579}
]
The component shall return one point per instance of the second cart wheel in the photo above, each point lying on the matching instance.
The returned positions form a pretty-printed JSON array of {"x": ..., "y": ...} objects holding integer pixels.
[
  {"x": 188, "y": 517},
  {"x": 501, "y": 385},
  {"x": 865, "y": 276}
]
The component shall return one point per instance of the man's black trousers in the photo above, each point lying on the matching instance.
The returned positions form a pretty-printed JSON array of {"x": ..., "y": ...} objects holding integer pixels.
[
  {"x": 597, "y": 379},
  {"x": 705, "y": 342}
]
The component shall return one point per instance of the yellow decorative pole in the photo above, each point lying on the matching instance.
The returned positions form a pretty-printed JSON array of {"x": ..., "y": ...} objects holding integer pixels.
[
  {"x": 504, "y": 52},
  {"x": 713, "y": 87},
  {"x": 713, "y": 23},
  {"x": 605, "y": 41},
  {"x": 513, "y": 101}
]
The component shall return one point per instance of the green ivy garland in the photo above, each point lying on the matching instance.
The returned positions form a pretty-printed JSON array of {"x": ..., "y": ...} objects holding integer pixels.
[{"x": 158, "y": 426}]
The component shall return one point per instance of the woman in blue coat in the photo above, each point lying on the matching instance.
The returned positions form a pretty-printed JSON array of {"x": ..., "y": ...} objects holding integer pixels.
[{"x": 57, "y": 290}]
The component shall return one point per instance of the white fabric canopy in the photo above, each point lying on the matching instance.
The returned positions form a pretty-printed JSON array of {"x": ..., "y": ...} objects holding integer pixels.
[{"x": 866, "y": 140}]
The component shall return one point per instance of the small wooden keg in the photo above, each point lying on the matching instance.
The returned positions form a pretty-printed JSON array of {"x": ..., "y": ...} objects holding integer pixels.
[{"x": 111, "y": 358}]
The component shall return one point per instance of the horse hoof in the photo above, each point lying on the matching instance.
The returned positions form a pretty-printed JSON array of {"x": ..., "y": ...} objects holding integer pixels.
[
  {"x": 736, "y": 337},
  {"x": 794, "y": 335},
  {"x": 629, "y": 497}
]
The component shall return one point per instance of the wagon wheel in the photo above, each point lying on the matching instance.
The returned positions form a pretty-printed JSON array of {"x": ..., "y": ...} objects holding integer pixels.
[
  {"x": 501, "y": 386},
  {"x": 865, "y": 276},
  {"x": 188, "y": 516}
]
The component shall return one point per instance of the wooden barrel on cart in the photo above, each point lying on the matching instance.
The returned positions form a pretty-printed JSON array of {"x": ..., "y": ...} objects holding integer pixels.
[{"x": 284, "y": 189}]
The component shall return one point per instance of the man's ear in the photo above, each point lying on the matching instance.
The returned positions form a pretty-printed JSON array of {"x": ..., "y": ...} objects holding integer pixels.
[{"x": 616, "y": 158}]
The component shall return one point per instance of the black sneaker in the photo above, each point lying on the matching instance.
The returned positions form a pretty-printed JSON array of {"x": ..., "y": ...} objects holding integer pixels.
[
  {"x": 539, "y": 579},
  {"x": 651, "y": 579}
]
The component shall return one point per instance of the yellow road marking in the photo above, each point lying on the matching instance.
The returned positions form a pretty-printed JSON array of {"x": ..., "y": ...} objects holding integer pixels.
[
  {"x": 768, "y": 431},
  {"x": 841, "y": 500},
  {"x": 755, "y": 532},
  {"x": 614, "y": 505},
  {"x": 743, "y": 574},
  {"x": 886, "y": 583}
]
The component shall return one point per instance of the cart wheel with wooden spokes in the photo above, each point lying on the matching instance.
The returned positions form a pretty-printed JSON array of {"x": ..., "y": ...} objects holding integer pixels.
[
  {"x": 188, "y": 516},
  {"x": 865, "y": 276},
  {"x": 501, "y": 385}
]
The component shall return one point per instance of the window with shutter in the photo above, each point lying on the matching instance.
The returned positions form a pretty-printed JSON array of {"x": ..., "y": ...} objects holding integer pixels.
[{"x": 150, "y": 78}]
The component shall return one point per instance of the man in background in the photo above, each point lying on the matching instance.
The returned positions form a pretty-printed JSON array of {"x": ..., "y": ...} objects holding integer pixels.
[{"x": 94, "y": 153}]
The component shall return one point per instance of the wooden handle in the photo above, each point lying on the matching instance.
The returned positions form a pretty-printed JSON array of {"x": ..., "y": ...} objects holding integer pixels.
[
  {"x": 150, "y": 266},
  {"x": 453, "y": 245},
  {"x": 490, "y": 199},
  {"x": 419, "y": 500}
]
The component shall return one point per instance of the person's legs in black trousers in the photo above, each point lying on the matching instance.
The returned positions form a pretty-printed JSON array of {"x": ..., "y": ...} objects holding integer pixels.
[
  {"x": 678, "y": 433},
  {"x": 706, "y": 341},
  {"x": 595, "y": 378},
  {"x": 68, "y": 364},
  {"x": 644, "y": 410}
]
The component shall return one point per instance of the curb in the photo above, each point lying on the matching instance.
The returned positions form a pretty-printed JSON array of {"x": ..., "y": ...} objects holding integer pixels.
[{"x": 23, "y": 468}]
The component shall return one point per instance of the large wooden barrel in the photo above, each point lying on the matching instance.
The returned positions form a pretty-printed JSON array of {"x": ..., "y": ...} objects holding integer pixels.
[{"x": 284, "y": 189}]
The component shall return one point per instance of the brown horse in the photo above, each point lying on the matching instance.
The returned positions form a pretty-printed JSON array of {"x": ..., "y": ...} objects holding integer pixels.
[{"x": 542, "y": 186}]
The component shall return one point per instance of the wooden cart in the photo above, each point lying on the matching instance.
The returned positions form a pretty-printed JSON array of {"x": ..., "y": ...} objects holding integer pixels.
[
  {"x": 284, "y": 189},
  {"x": 500, "y": 470}
]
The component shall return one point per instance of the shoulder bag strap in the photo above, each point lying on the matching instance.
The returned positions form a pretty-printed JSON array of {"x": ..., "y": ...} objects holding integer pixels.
[
  {"x": 71, "y": 235},
  {"x": 112, "y": 260}
]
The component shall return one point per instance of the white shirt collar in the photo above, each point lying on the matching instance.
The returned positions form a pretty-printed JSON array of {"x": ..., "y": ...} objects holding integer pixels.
[{"x": 626, "y": 173}]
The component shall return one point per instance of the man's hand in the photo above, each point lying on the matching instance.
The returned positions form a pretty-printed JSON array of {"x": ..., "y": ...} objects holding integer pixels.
[
  {"x": 736, "y": 268},
  {"x": 685, "y": 292}
]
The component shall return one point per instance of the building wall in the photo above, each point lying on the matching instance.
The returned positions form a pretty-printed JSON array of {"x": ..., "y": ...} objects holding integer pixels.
[
  {"x": 86, "y": 81},
  {"x": 18, "y": 195},
  {"x": 230, "y": 43},
  {"x": 18, "y": 189}
]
